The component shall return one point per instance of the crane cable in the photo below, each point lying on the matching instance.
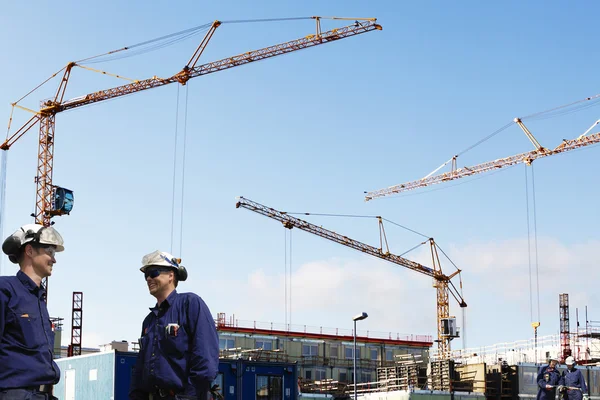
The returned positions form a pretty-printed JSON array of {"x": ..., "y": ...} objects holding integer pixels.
[
  {"x": 564, "y": 109},
  {"x": 175, "y": 158},
  {"x": 285, "y": 279},
  {"x": 288, "y": 278},
  {"x": 535, "y": 245},
  {"x": 358, "y": 216},
  {"x": 174, "y": 170},
  {"x": 168, "y": 40},
  {"x": 183, "y": 170}
]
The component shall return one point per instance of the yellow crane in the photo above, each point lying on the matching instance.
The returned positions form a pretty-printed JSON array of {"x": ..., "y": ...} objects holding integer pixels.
[
  {"x": 53, "y": 200},
  {"x": 529, "y": 157},
  {"x": 446, "y": 325}
]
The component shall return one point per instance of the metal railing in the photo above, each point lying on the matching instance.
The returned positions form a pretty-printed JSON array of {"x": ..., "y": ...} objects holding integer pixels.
[{"x": 222, "y": 321}]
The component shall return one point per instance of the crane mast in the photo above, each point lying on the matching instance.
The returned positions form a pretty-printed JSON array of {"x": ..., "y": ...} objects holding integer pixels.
[
  {"x": 46, "y": 116},
  {"x": 47, "y": 193},
  {"x": 442, "y": 282},
  {"x": 526, "y": 158}
]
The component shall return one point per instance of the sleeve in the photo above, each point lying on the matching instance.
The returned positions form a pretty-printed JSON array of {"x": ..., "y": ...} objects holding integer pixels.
[
  {"x": 540, "y": 378},
  {"x": 135, "y": 390},
  {"x": 204, "y": 345}
]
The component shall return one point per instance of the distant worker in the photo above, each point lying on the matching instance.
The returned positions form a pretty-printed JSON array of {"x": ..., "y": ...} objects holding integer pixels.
[
  {"x": 28, "y": 370},
  {"x": 572, "y": 383},
  {"x": 548, "y": 379},
  {"x": 179, "y": 346}
]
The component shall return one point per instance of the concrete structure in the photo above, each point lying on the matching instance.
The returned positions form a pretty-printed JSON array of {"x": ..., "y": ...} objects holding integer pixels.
[{"x": 320, "y": 353}]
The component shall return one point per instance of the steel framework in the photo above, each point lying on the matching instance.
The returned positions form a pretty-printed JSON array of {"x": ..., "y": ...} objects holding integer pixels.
[
  {"x": 457, "y": 173},
  {"x": 565, "y": 338},
  {"x": 76, "y": 324},
  {"x": 46, "y": 116},
  {"x": 443, "y": 283}
]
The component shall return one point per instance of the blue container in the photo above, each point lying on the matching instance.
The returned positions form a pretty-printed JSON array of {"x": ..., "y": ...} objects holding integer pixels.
[{"x": 107, "y": 376}]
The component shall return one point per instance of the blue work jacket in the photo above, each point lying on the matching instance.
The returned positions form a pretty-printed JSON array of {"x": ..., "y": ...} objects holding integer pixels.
[
  {"x": 573, "y": 378},
  {"x": 183, "y": 359},
  {"x": 547, "y": 376},
  {"x": 26, "y": 336}
]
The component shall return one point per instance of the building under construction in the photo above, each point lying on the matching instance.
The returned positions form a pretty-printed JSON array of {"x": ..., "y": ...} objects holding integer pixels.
[{"x": 321, "y": 354}]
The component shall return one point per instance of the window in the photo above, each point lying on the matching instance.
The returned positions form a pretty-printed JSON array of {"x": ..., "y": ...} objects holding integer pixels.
[
  {"x": 218, "y": 381},
  {"x": 308, "y": 374},
  {"x": 226, "y": 344},
  {"x": 333, "y": 352},
  {"x": 373, "y": 353},
  {"x": 389, "y": 355},
  {"x": 365, "y": 377},
  {"x": 320, "y": 374},
  {"x": 269, "y": 387},
  {"x": 343, "y": 377},
  {"x": 350, "y": 352},
  {"x": 264, "y": 344},
  {"x": 310, "y": 350}
]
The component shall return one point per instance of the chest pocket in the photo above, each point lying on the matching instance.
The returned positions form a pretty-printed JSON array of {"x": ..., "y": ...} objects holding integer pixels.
[
  {"x": 29, "y": 329},
  {"x": 174, "y": 345}
]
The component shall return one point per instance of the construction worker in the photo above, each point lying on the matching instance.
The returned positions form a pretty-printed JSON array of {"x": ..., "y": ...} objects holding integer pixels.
[
  {"x": 572, "y": 383},
  {"x": 179, "y": 346},
  {"x": 548, "y": 379},
  {"x": 26, "y": 338}
]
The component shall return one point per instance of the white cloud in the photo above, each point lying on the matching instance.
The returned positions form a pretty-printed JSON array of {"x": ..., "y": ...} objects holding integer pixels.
[{"x": 496, "y": 288}]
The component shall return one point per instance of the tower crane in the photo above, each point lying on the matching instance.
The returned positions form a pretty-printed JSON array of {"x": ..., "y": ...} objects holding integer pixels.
[
  {"x": 53, "y": 200},
  {"x": 457, "y": 173},
  {"x": 446, "y": 328}
]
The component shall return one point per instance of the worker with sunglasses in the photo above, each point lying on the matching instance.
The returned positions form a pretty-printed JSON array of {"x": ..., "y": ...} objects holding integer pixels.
[
  {"x": 179, "y": 346},
  {"x": 27, "y": 368}
]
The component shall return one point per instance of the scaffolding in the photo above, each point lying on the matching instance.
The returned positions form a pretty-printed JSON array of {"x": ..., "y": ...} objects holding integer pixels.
[{"x": 565, "y": 337}]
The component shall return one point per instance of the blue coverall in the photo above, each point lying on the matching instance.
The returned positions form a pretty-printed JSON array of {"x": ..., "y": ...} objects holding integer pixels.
[
  {"x": 181, "y": 362},
  {"x": 573, "y": 378},
  {"x": 26, "y": 340},
  {"x": 547, "y": 376}
]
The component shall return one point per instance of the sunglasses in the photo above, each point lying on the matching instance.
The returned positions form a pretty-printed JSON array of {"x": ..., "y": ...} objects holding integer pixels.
[
  {"x": 49, "y": 249},
  {"x": 154, "y": 272}
]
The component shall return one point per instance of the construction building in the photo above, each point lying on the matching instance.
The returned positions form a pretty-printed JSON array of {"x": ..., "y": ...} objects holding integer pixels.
[{"x": 319, "y": 353}]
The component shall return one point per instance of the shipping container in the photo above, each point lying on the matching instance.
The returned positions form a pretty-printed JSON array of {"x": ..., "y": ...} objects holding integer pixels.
[{"x": 107, "y": 376}]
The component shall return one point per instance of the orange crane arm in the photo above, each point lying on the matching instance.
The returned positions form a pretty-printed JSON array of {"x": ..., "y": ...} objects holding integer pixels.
[
  {"x": 527, "y": 158},
  {"x": 290, "y": 222},
  {"x": 220, "y": 65},
  {"x": 191, "y": 70},
  {"x": 443, "y": 284}
]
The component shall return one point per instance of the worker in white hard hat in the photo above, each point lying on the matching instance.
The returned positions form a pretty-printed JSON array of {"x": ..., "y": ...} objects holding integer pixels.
[
  {"x": 26, "y": 338},
  {"x": 179, "y": 345},
  {"x": 572, "y": 383},
  {"x": 548, "y": 379}
]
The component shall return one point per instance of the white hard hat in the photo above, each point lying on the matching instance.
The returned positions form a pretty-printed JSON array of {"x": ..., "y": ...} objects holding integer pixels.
[
  {"x": 31, "y": 233},
  {"x": 163, "y": 259},
  {"x": 570, "y": 360}
]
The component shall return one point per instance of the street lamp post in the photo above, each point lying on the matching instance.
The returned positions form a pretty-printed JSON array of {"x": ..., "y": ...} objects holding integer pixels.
[{"x": 359, "y": 317}]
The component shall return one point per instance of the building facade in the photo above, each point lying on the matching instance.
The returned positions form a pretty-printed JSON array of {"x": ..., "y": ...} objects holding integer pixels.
[{"x": 320, "y": 353}]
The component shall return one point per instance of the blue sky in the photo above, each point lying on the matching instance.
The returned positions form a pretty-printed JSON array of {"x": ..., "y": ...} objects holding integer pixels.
[{"x": 310, "y": 132}]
